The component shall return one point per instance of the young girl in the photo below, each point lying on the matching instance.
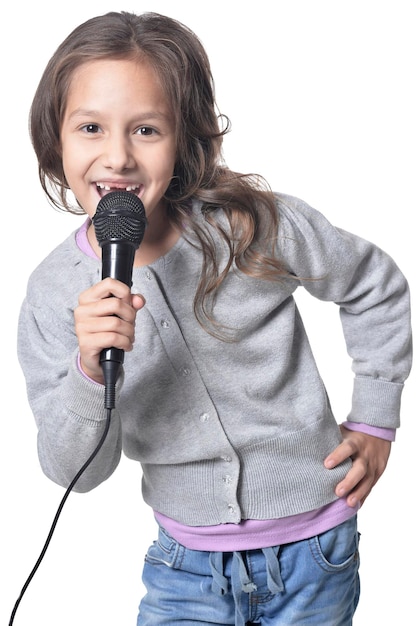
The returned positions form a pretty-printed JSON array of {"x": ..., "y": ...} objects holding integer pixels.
[{"x": 254, "y": 486}]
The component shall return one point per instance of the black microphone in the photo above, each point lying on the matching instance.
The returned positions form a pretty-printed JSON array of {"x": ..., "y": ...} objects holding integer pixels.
[{"x": 119, "y": 224}]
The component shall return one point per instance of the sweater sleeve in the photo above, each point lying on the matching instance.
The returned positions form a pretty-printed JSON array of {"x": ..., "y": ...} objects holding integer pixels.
[
  {"x": 68, "y": 408},
  {"x": 373, "y": 299}
]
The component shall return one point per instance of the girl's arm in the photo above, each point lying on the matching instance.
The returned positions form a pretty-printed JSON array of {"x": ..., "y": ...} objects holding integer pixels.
[
  {"x": 67, "y": 403},
  {"x": 374, "y": 305}
]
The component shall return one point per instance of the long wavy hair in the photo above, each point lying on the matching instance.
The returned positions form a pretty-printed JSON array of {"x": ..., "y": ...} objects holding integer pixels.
[{"x": 181, "y": 63}]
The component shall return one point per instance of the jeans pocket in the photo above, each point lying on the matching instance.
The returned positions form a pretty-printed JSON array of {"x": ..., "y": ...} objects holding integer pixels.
[
  {"x": 164, "y": 550},
  {"x": 337, "y": 548}
]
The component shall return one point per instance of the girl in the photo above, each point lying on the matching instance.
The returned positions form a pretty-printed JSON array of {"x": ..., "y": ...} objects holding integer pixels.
[{"x": 254, "y": 486}]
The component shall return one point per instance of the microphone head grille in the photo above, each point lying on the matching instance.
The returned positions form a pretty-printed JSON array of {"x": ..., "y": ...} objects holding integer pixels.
[{"x": 120, "y": 216}]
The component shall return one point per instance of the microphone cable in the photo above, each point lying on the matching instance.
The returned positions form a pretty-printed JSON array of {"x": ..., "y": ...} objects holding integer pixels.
[
  {"x": 119, "y": 222},
  {"x": 58, "y": 513}
]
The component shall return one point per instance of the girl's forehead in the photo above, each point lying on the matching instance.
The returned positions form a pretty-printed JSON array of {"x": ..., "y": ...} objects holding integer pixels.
[
  {"x": 120, "y": 73},
  {"x": 117, "y": 86}
]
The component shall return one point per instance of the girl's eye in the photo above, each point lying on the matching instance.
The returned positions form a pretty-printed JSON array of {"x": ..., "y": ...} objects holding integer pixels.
[
  {"x": 145, "y": 131},
  {"x": 91, "y": 128}
]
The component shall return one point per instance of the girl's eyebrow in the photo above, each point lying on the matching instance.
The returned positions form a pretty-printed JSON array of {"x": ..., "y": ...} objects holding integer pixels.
[
  {"x": 147, "y": 115},
  {"x": 83, "y": 112}
]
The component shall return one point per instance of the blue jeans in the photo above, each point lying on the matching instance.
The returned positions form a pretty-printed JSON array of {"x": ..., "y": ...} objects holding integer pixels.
[{"x": 314, "y": 581}]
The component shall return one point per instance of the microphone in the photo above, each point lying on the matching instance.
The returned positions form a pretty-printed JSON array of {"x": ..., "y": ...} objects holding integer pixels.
[{"x": 119, "y": 224}]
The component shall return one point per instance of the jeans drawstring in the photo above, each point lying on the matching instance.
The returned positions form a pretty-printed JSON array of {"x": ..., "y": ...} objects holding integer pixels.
[
  {"x": 246, "y": 585},
  {"x": 273, "y": 573},
  {"x": 240, "y": 580},
  {"x": 219, "y": 585}
]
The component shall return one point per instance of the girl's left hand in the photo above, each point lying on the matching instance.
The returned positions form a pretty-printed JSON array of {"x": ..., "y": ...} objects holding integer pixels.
[{"x": 370, "y": 457}]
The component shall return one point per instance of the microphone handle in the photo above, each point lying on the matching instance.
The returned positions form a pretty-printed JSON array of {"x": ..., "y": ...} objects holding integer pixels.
[{"x": 117, "y": 262}]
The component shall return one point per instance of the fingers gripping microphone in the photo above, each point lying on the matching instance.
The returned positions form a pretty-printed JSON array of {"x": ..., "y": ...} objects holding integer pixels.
[{"x": 119, "y": 225}]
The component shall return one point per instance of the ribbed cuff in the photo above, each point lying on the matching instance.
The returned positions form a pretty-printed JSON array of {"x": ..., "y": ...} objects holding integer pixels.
[{"x": 376, "y": 402}]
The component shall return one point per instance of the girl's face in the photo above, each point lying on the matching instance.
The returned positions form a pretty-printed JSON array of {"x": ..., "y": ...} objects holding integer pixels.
[{"x": 118, "y": 133}]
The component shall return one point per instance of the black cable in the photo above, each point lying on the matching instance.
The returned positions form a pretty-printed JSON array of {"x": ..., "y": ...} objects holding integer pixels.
[{"x": 58, "y": 513}]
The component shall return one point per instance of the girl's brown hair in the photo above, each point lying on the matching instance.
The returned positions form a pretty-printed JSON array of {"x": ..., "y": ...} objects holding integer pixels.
[{"x": 182, "y": 65}]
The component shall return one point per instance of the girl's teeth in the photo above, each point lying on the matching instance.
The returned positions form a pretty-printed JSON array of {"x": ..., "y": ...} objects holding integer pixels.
[{"x": 108, "y": 188}]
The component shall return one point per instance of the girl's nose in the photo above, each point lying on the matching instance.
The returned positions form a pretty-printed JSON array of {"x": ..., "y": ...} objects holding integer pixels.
[{"x": 118, "y": 154}]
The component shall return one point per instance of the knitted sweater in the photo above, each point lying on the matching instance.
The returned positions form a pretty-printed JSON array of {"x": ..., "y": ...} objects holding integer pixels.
[{"x": 224, "y": 431}]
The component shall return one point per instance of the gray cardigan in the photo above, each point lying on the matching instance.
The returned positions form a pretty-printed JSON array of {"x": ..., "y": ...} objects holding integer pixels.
[{"x": 224, "y": 431}]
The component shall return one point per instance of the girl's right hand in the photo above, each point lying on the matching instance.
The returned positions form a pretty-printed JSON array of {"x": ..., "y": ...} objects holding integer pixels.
[{"x": 105, "y": 318}]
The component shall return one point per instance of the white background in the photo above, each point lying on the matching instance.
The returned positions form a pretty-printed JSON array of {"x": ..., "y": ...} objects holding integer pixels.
[{"x": 322, "y": 98}]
